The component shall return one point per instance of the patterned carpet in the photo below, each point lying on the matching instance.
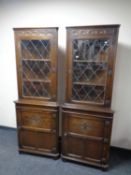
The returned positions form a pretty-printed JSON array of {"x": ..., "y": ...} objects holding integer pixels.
[{"x": 13, "y": 163}]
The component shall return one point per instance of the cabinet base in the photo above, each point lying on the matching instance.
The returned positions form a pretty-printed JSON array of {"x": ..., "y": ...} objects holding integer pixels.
[
  {"x": 104, "y": 167},
  {"x": 36, "y": 152}
]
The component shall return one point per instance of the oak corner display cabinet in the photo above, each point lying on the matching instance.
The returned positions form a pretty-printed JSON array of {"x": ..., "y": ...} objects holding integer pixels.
[
  {"x": 37, "y": 107},
  {"x": 86, "y": 113}
]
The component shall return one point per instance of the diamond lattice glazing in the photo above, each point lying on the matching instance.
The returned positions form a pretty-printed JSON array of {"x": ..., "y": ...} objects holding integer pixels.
[
  {"x": 36, "y": 68},
  {"x": 90, "y": 64}
]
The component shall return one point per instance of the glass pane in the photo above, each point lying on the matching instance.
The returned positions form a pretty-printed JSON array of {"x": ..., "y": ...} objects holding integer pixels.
[
  {"x": 35, "y": 49},
  {"x": 88, "y": 93},
  {"x": 36, "y": 68},
  {"x": 90, "y": 72},
  {"x": 90, "y": 63},
  {"x": 36, "y": 89},
  {"x": 91, "y": 50}
]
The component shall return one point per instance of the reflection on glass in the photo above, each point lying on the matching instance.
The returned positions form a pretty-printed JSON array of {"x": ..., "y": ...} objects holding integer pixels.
[
  {"x": 92, "y": 49},
  {"x": 90, "y": 64}
]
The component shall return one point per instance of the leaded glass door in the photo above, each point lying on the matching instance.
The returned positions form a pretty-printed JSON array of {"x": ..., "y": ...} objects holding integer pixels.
[
  {"x": 37, "y": 53},
  {"x": 90, "y": 63},
  {"x": 90, "y": 66}
]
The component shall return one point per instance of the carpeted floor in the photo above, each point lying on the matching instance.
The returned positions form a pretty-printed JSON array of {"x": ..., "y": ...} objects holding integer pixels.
[{"x": 13, "y": 163}]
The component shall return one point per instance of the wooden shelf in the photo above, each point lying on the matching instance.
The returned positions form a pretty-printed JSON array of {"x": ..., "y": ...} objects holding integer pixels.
[
  {"x": 89, "y": 107},
  {"x": 37, "y": 80},
  {"x": 89, "y": 102},
  {"x": 23, "y": 59},
  {"x": 36, "y": 102},
  {"x": 88, "y": 83},
  {"x": 87, "y": 61}
]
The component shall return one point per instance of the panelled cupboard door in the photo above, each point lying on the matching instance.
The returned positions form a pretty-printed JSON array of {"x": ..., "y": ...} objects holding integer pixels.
[
  {"x": 39, "y": 141},
  {"x": 36, "y": 52},
  {"x": 46, "y": 120},
  {"x": 86, "y": 137},
  {"x": 91, "y": 52},
  {"x": 83, "y": 149},
  {"x": 38, "y": 130}
]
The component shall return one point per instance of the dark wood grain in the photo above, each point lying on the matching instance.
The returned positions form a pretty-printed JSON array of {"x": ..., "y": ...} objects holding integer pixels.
[
  {"x": 38, "y": 129},
  {"x": 86, "y": 137},
  {"x": 86, "y": 126},
  {"x": 92, "y": 32},
  {"x": 50, "y": 34},
  {"x": 37, "y": 117}
]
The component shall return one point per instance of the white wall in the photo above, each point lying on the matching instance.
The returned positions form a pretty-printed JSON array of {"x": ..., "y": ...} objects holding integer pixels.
[{"x": 45, "y": 13}]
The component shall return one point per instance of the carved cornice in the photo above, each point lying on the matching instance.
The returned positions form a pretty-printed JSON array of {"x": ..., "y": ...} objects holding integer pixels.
[
  {"x": 35, "y": 32},
  {"x": 86, "y": 32}
]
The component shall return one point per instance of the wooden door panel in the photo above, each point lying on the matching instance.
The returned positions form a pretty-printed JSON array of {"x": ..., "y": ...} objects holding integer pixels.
[
  {"x": 93, "y": 150},
  {"x": 37, "y": 140},
  {"x": 27, "y": 139},
  {"x": 85, "y": 137},
  {"x": 45, "y": 120},
  {"x": 73, "y": 147},
  {"x": 84, "y": 124},
  {"x": 89, "y": 150},
  {"x": 46, "y": 141}
]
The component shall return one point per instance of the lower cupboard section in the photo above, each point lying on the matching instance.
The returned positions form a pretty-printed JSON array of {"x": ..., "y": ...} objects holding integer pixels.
[
  {"x": 38, "y": 141},
  {"x": 83, "y": 149},
  {"x": 38, "y": 131},
  {"x": 86, "y": 137}
]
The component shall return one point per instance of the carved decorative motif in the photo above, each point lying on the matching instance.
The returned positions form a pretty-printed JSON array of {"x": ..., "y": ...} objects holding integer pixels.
[
  {"x": 85, "y": 127},
  {"x": 86, "y": 32},
  {"x": 34, "y": 120},
  {"x": 34, "y": 32}
]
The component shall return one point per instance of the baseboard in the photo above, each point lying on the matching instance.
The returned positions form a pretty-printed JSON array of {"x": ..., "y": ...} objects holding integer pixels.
[
  {"x": 120, "y": 149},
  {"x": 7, "y": 128}
]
